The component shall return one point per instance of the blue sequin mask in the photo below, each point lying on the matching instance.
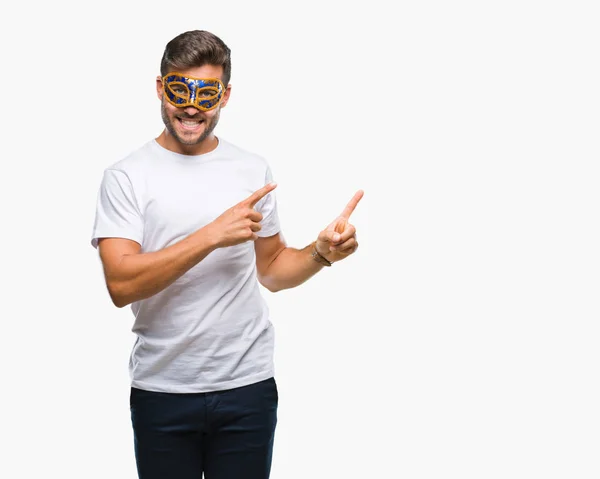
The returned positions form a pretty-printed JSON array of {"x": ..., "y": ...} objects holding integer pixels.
[{"x": 202, "y": 93}]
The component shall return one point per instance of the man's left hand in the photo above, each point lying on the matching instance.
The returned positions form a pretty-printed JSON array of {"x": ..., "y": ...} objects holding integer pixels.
[{"x": 338, "y": 240}]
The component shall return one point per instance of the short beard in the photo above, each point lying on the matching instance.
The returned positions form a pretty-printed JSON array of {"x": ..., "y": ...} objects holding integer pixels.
[{"x": 209, "y": 126}]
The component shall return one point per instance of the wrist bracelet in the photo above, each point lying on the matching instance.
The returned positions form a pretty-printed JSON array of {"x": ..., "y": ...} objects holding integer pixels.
[{"x": 319, "y": 258}]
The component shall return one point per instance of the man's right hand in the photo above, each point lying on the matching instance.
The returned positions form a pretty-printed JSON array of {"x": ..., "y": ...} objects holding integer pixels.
[{"x": 240, "y": 222}]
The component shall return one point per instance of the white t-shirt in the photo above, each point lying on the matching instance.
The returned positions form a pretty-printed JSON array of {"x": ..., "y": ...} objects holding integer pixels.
[{"x": 210, "y": 330}]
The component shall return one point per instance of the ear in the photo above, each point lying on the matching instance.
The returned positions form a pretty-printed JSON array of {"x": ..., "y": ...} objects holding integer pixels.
[
  {"x": 159, "y": 87},
  {"x": 226, "y": 96}
]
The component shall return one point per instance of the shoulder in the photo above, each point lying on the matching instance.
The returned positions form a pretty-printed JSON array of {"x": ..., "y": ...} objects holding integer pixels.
[{"x": 132, "y": 170}]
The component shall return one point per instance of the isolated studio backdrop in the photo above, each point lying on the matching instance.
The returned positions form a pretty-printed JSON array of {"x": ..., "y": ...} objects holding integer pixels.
[{"x": 460, "y": 340}]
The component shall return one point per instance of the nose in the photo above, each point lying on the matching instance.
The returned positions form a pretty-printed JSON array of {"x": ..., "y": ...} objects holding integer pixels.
[{"x": 191, "y": 110}]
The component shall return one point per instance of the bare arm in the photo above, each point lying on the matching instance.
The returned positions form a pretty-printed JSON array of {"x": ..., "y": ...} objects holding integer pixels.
[
  {"x": 132, "y": 276},
  {"x": 281, "y": 267}
]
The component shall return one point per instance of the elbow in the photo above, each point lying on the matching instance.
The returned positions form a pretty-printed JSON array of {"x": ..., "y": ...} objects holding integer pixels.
[
  {"x": 271, "y": 285},
  {"x": 118, "y": 302},
  {"x": 117, "y": 295}
]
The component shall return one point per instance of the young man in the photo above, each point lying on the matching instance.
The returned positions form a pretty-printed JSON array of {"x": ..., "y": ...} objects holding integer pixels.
[{"x": 186, "y": 226}]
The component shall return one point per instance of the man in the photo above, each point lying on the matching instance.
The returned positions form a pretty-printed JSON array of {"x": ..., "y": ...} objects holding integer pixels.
[{"x": 186, "y": 227}]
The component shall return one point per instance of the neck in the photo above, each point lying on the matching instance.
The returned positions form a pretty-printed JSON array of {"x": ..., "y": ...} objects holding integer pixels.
[{"x": 168, "y": 141}]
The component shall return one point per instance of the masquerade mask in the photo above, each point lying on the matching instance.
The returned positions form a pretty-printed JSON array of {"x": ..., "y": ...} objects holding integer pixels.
[{"x": 202, "y": 93}]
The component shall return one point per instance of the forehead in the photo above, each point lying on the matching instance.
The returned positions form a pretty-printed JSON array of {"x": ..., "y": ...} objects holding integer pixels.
[{"x": 205, "y": 71}]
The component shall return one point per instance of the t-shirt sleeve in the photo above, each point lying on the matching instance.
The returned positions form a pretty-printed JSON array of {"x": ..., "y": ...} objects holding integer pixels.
[
  {"x": 117, "y": 211},
  {"x": 268, "y": 208}
]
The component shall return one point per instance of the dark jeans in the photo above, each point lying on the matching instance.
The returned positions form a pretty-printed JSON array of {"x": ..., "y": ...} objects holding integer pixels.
[{"x": 226, "y": 434}]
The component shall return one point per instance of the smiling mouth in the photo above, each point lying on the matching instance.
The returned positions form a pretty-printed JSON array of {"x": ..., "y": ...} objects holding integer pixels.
[{"x": 188, "y": 124}]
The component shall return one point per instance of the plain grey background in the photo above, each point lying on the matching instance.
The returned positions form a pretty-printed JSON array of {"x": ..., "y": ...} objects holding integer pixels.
[{"x": 461, "y": 341}]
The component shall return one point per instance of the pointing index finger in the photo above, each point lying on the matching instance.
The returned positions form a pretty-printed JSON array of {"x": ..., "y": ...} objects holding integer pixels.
[
  {"x": 260, "y": 194},
  {"x": 352, "y": 204}
]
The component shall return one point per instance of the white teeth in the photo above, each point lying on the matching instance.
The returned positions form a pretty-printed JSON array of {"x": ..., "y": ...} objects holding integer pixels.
[{"x": 190, "y": 123}]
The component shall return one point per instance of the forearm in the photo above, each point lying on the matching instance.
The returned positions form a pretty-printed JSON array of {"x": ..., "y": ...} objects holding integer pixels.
[
  {"x": 139, "y": 276},
  {"x": 290, "y": 268}
]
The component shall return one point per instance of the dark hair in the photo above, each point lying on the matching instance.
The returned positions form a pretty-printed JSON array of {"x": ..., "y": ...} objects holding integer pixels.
[{"x": 196, "y": 48}]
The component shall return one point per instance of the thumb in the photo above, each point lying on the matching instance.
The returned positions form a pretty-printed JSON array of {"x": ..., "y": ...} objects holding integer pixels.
[{"x": 329, "y": 236}]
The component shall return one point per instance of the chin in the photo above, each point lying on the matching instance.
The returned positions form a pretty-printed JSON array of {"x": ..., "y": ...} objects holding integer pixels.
[
  {"x": 189, "y": 138},
  {"x": 192, "y": 139}
]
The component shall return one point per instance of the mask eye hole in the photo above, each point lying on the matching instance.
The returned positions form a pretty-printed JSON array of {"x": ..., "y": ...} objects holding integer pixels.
[
  {"x": 179, "y": 89},
  {"x": 207, "y": 92}
]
